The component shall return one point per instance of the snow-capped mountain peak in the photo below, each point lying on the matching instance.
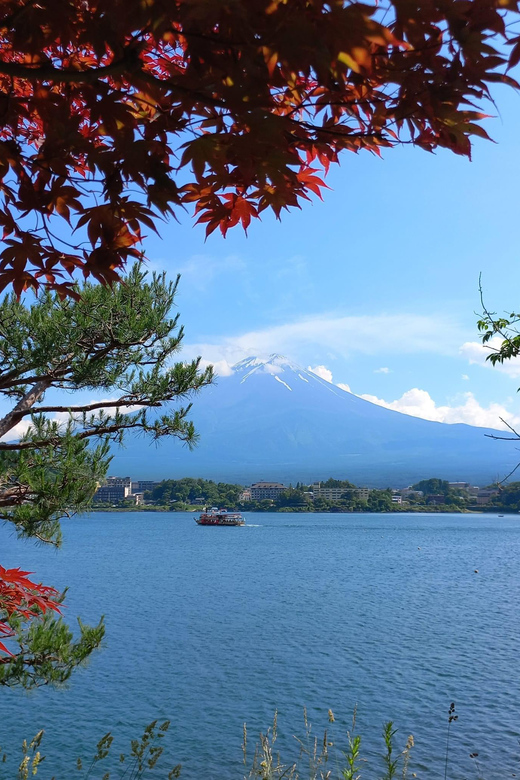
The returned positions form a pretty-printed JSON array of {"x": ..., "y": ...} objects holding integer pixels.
[
  {"x": 274, "y": 360},
  {"x": 277, "y": 365},
  {"x": 272, "y": 417}
]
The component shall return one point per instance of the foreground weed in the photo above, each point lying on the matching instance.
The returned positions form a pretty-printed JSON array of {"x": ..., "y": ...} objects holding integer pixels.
[
  {"x": 266, "y": 764},
  {"x": 353, "y": 754},
  {"x": 390, "y": 763},
  {"x": 142, "y": 759},
  {"x": 320, "y": 758},
  {"x": 32, "y": 757},
  {"x": 315, "y": 750},
  {"x": 451, "y": 719},
  {"x": 474, "y": 758},
  {"x": 406, "y": 756}
]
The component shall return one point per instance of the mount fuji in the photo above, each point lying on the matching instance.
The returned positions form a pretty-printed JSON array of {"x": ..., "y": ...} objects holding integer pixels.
[{"x": 273, "y": 420}]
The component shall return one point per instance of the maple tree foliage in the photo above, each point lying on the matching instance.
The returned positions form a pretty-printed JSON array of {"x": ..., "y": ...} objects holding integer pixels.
[
  {"x": 43, "y": 649},
  {"x": 116, "y": 112},
  {"x": 20, "y": 596}
]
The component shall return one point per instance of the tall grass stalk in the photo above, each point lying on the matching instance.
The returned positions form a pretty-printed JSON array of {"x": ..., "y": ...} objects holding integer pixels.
[
  {"x": 451, "y": 718},
  {"x": 390, "y": 764},
  {"x": 353, "y": 754}
]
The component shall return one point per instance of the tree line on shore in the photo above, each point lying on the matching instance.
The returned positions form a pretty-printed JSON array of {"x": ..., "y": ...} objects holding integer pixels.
[{"x": 432, "y": 494}]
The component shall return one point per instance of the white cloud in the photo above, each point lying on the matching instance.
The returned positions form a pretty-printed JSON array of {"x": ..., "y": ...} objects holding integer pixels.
[
  {"x": 221, "y": 367},
  {"x": 419, "y": 403},
  {"x": 225, "y": 368},
  {"x": 476, "y": 354},
  {"x": 465, "y": 377},
  {"x": 269, "y": 368},
  {"x": 17, "y": 431},
  {"x": 325, "y": 373},
  {"x": 200, "y": 270},
  {"x": 382, "y": 370},
  {"x": 321, "y": 371},
  {"x": 384, "y": 334}
]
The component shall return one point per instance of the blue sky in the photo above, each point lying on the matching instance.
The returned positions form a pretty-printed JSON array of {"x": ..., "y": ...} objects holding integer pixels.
[
  {"x": 383, "y": 274},
  {"x": 376, "y": 287}
]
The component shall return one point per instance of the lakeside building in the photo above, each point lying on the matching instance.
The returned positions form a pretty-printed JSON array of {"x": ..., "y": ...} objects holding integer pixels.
[
  {"x": 436, "y": 498},
  {"x": 143, "y": 485},
  {"x": 330, "y": 494},
  {"x": 119, "y": 482},
  {"x": 112, "y": 494},
  {"x": 117, "y": 489},
  {"x": 409, "y": 491},
  {"x": 486, "y": 496},
  {"x": 263, "y": 490},
  {"x": 337, "y": 493}
]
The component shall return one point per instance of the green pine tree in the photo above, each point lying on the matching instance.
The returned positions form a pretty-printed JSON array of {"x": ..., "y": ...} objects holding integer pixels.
[{"x": 108, "y": 343}]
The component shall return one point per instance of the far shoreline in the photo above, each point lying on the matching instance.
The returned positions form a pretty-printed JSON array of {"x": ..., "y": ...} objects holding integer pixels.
[{"x": 157, "y": 510}]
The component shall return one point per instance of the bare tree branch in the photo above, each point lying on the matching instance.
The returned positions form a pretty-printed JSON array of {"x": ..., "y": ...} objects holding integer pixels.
[{"x": 516, "y": 437}]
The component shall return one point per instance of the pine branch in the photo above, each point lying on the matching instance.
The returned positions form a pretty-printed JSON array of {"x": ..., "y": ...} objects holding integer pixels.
[
  {"x": 124, "y": 401},
  {"x": 101, "y": 430},
  {"x": 23, "y": 407}
]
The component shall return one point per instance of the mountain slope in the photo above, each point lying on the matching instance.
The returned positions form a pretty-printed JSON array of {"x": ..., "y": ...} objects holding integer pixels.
[{"x": 273, "y": 420}]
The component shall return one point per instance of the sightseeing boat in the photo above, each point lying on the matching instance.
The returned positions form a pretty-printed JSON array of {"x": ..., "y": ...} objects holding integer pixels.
[{"x": 220, "y": 517}]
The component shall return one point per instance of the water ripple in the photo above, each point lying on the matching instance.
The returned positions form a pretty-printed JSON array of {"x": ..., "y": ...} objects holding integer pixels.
[{"x": 213, "y": 627}]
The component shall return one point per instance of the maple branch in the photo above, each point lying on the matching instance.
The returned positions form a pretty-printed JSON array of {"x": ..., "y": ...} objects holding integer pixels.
[
  {"x": 128, "y": 62},
  {"x": 9, "y": 20},
  {"x": 172, "y": 86}
]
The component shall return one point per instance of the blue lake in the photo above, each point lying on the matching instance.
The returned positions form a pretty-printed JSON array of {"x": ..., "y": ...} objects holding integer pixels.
[{"x": 211, "y": 627}]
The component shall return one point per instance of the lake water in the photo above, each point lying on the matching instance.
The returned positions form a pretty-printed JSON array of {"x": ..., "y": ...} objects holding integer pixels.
[{"x": 211, "y": 627}]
